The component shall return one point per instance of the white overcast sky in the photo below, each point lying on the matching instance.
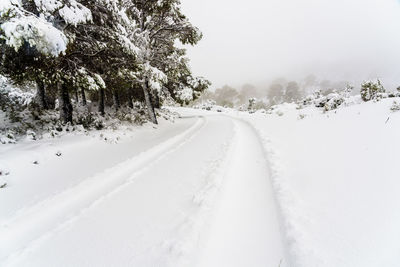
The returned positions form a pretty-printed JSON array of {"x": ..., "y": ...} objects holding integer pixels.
[{"x": 258, "y": 40}]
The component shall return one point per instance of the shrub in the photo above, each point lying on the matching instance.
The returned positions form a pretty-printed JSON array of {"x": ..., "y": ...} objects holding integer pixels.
[
  {"x": 395, "y": 107},
  {"x": 327, "y": 102},
  {"x": 252, "y": 102},
  {"x": 370, "y": 90}
]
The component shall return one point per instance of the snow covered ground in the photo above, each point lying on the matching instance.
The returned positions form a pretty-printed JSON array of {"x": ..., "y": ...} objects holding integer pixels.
[
  {"x": 148, "y": 200},
  {"x": 336, "y": 178},
  {"x": 298, "y": 187}
]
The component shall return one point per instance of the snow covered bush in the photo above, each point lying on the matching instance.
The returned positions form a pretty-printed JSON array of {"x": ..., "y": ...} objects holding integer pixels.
[
  {"x": 314, "y": 99},
  {"x": 395, "y": 106},
  {"x": 333, "y": 101},
  {"x": 371, "y": 90},
  {"x": 14, "y": 105},
  {"x": 186, "y": 95},
  {"x": 254, "y": 105},
  {"x": 206, "y": 105},
  {"x": 252, "y": 102},
  {"x": 302, "y": 116},
  {"x": 328, "y": 102}
]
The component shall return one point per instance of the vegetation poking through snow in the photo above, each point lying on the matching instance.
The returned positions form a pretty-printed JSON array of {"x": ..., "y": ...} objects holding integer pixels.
[
  {"x": 371, "y": 90},
  {"x": 395, "y": 106}
]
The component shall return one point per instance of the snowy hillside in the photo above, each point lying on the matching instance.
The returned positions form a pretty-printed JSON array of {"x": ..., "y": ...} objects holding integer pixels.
[
  {"x": 337, "y": 181},
  {"x": 289, "y": 187}
]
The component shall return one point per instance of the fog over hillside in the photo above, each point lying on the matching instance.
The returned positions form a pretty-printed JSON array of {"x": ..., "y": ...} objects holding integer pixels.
[{"x": 259, "y": 41}]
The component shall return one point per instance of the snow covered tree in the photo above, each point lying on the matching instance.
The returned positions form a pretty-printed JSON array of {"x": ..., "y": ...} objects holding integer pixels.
[
  {"x": 371, "y": 89},
  {"x": 247, "y": 91},
  {"x": 32, "y": 35},
  {"x": 226, "y": 96},
  {"x": 252, "y": 102},
  {"x": 104, "y": 46},
  {"x": 275, "y": 93},
  {"x": 181, "y": 84},
  {"x": 104, "y": 49},
  {"x": 161, "y": 23},
  {"x": 292, "y": 92}
]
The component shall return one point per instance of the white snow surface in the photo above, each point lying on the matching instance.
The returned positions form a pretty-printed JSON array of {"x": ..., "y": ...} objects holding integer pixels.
[
  {"x": 336, "y": 179},
  {"x": 297, "y": 187}
]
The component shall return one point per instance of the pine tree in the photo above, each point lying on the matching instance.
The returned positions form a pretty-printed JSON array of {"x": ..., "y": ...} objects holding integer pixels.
[
  {"x": 275, "y": 94},
  {"x": 32, "y": 36},
  {"x": 292, "y": 92},
  {"x": 114, "y": 47},
  {"x": 161, "y": 24}
]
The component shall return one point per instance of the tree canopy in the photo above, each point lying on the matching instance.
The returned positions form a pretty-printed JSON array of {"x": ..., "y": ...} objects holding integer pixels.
[{"x": 128, "y": 49}]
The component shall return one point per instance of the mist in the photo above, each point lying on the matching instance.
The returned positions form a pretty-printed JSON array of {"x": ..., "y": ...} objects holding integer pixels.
[{"x": 259, "y": 41}]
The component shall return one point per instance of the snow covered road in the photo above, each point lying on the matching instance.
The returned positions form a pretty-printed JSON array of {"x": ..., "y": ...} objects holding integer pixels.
[
  {"x": 201, "y": 197},
  {"x": 246, "y": 231}
]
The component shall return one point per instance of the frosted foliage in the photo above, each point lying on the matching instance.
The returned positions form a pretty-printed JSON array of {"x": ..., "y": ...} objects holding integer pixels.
[
  {"x": 156, "y": 77},
  {"x": 75, "y": 13},
  {"x": 37, "y": 32},
  {"x": 92, "y": 82},
  {"x": 128, "y": 45},
  {"x": 20, "y": 26},
  {"x": 186, "y": 94},
  {"x": 48, "y": 5},
  {"x": 72, "y": 12},
  {"x": 15, "y": 94},
  {"x": 99, "y": 81}
]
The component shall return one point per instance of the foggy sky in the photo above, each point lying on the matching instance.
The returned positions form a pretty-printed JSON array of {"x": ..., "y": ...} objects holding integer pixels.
[{"x": 258, "y": 40}]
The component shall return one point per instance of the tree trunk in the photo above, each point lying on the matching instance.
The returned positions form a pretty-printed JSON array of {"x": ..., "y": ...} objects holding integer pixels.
[
  {"x": 130, "y": 100},
  {"x": 64, "y": 103},
  {"x": 41, "y": 94},
  {"x": 76, "y": 96},
  {"x": 156, "y": 100},
  {"x": 101, "y": 101},
  {"x": 117, "y": 104},
  {"x": 83, "y": 97},
  {"x": 149, "y": 103}
]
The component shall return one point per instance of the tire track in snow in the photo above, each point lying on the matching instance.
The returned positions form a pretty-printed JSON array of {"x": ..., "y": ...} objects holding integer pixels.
[
  {"x": 21, "y": 233},
  {"x": 282, "y": 197},
  {"x": 247, "y": 227},
  {"x": 269, "y": 154},
  {"x": 183, "y": 248}
]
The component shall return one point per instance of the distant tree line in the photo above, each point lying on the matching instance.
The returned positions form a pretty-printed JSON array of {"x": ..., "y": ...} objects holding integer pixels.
[
  {"x": 113, "y": 52},
  {"x": 276, "y": 92}
]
